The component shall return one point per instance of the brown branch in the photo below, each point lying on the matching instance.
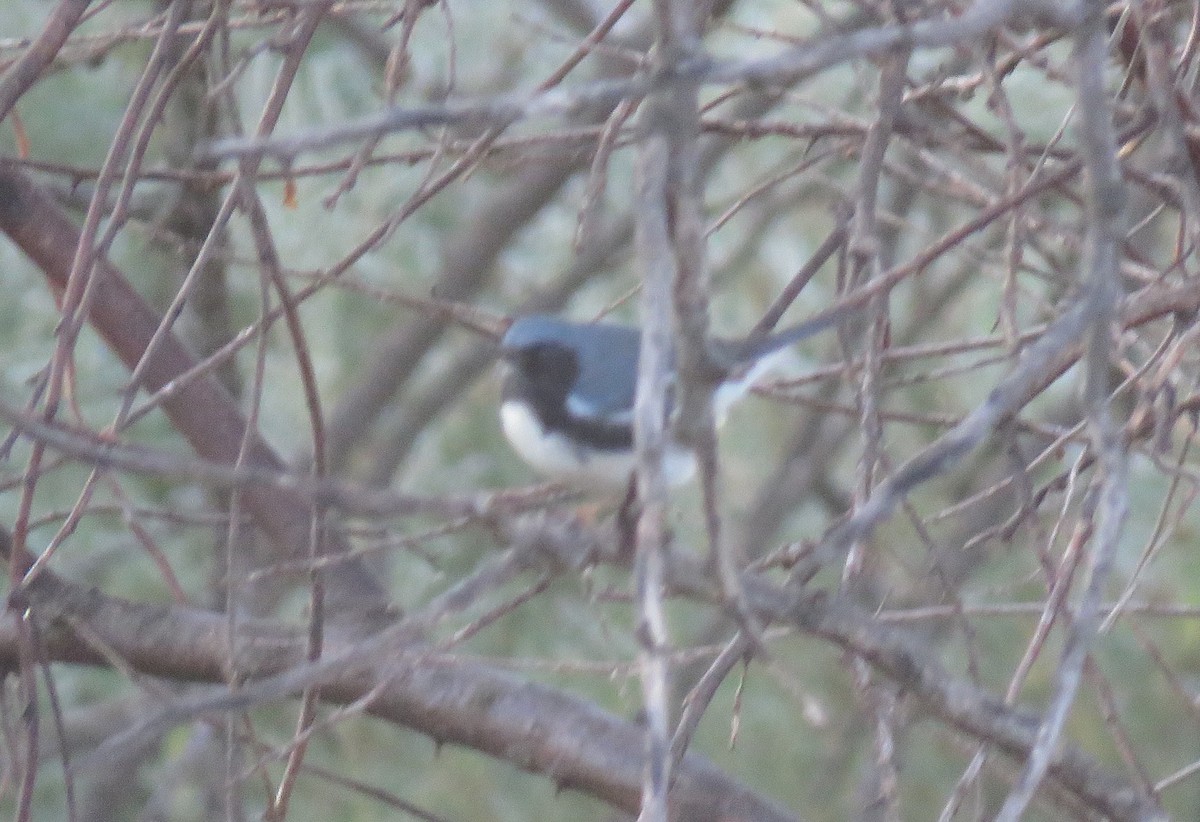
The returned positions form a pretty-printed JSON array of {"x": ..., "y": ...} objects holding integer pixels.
[
  {"x": 452, "y": 700},
  {"x": 26, "y": 71},
  {"x": 202, "y": 411}
]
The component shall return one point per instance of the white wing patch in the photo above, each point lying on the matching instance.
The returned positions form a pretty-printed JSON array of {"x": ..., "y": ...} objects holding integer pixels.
[{"x": 577, "y": 407}]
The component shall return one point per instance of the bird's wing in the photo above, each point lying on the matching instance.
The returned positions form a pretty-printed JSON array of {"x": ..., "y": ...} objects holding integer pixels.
[{"x": 607, "y": 378}]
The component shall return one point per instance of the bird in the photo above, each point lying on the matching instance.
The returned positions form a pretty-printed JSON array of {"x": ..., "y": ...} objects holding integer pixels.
[{"x": 569, "y": 390}]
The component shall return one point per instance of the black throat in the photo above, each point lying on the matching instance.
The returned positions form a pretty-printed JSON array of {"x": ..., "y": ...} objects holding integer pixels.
[{"x": 542, "y": 377}]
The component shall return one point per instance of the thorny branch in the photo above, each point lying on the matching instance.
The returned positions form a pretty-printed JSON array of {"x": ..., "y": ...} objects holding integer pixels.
[{"x": 941, "y": 206}]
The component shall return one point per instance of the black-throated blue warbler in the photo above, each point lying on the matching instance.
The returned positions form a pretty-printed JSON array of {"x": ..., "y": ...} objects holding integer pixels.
[{"x": 569, "y": 390}]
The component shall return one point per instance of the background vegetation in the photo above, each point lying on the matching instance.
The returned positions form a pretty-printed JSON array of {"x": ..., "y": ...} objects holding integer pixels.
[{"x": 271, "y": 557}]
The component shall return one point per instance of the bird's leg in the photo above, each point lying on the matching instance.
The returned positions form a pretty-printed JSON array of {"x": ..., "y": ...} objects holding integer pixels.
[{"x": 627, "y": 517}]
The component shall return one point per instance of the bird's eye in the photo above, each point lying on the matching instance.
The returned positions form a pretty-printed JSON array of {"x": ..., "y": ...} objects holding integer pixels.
[
  {"x": 535, "y": 356},
  {"x": 541, "y": 357},
  {"x": 549, "y": 363}
]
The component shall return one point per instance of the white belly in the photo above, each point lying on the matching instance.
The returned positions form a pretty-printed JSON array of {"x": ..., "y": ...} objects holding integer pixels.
[{"x": 556, "y": 457}]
